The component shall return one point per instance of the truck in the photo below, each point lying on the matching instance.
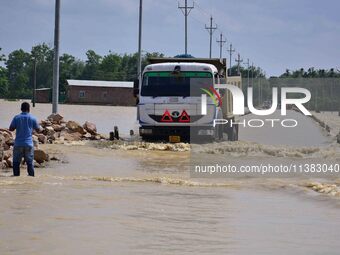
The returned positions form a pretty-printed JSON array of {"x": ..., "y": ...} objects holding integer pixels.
[{"x": 169, "y": 100}]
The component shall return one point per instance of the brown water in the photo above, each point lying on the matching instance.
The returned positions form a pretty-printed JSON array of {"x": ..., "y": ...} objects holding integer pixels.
[{"x": 105, "y": 201}]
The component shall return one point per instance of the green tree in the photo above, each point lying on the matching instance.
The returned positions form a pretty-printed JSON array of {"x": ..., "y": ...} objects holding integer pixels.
[
  {"x": 3, "y": 77},
  {"x": 92, "y": 65},
  {"x": 43, "y": 55},
  {"x": 70, "y": 68},
  {"x": 18, "y": 75},
  {"x": 110, "y": 68}
]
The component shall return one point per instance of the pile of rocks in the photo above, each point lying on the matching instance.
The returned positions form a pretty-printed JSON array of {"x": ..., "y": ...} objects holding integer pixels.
[
  {"x": 6, "y": 151},
  {"x": 6, "y": 143},
  {"x": 55, "y": 129}
]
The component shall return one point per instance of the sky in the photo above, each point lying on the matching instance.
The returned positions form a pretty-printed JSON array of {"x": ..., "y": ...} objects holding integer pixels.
[{"x": 274, "y": 34}]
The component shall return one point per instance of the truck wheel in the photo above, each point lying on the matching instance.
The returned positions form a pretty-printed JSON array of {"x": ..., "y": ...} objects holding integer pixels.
[
  {"x": 218, "y": 133},
  {"x": 232, "y": 133},
  {"x": 236, "y": 129}
]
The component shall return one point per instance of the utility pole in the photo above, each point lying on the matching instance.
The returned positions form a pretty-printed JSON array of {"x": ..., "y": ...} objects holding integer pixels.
[
  {"x": 211, "y": 30},
  {"x": 231, "y": 51},
  {"x": 260, "y": 91},
  {"x": 238, "y": 61},
  {"x": 252, "y": 74},
  {"x": 247, "y": 63},
  {"x": 55, "y": 92},
  {"x": 221, "y": 42},
  {"x": 186, "y": 10},
  {"x": 34, "y": 81},
  {"x": 139, "y": 67}
]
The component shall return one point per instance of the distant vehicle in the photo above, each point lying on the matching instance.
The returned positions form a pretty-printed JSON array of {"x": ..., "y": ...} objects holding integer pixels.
[{"x": 169, "y": 99}]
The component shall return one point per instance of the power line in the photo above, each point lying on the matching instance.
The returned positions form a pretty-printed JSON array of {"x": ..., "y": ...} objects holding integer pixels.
[
  {"x": 221, "y": 43},
  {"x": 211, "y": 30},
  {"x": 203, "y": 12},
  {"x": 201, "y": 9},
  {"x": 186, "y": 11},
  {"x": 238, "y": 61},
  {"x": 231, "y": 51}
]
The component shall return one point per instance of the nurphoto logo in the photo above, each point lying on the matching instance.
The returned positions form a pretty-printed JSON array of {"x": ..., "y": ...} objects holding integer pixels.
[{"x": 239, "y": 109}]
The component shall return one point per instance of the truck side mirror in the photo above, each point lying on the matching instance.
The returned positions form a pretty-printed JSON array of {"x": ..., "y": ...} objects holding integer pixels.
[{"x": 135, "y": 87}]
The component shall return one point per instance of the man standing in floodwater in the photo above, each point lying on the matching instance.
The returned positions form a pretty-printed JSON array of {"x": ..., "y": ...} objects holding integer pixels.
[{"x": 24, "y": 124}]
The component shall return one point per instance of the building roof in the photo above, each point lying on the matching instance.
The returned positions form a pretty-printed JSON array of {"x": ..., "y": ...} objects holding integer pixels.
[
  {"x": 108, "y": 84},
  {"x": 43, "y": 89}
]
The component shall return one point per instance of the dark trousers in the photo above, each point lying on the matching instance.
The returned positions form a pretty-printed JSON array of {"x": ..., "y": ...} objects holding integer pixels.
[{"x": 28, "y": 153}]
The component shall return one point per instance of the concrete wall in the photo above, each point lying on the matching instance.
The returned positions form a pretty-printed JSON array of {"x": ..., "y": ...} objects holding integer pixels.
[{"x": 101, "y": 95}]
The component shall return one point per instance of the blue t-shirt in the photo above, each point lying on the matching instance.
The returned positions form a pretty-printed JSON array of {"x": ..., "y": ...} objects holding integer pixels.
[{"x": 24, "y": 124}]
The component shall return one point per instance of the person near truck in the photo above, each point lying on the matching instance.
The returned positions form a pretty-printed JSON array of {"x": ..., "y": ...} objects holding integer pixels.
[{"x": 24, "y": 124}]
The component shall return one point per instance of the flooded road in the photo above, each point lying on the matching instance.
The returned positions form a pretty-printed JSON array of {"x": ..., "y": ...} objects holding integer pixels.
[
  {"x": 306, "y": 133},
  {"x": 105, "y": 201},
  {"x": 129, "y": 202}
]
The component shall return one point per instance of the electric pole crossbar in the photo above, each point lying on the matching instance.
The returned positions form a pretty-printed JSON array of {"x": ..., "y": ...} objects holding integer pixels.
[{"x": 186, "y": 11}]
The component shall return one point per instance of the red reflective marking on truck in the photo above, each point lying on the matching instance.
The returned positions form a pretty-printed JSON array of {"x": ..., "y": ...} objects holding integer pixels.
[
  {"x": 184, "y": 117},
  {"x": 166, "y": 117}
]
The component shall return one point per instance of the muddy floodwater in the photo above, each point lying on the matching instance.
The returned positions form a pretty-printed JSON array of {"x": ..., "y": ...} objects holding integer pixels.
[{"x": 103, "y": 200}]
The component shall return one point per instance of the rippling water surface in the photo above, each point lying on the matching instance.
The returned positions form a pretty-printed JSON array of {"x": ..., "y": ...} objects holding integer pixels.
[{"x": 106, "y": 201}]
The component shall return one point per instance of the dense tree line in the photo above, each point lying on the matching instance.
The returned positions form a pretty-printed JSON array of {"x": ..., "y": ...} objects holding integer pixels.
[
  {"x": 16, "y": 75},
  {"x": 311, "y": 73}
]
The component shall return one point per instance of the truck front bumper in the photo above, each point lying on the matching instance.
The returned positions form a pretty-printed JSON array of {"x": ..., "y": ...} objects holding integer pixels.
[{"x": 183, "y": 132}]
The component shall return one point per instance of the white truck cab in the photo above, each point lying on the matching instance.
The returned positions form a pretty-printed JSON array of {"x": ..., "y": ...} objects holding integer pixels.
[{"x": 170, "y": 100}]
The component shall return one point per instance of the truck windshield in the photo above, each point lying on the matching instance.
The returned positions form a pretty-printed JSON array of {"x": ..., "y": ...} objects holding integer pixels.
[{"x": 182, "y": 84}]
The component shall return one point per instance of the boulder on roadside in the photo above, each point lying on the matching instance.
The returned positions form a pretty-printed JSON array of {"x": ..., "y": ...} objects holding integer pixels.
[
  {"x": 45, "y": 123},
  {"x": 75, "y": 136},
  {"x": 3, "y": 165},
  {"x": 54, "y": 137},
  {"x": 7, "y": 154},
  {"x": 5, "y": 146},
  {"x": 40, "y": 156},
  {"x": 7, "y": 138},
  {"x": 2, "y": 154},
  {"x": 75, "y": 127},
  {"x": 42, "y": 138},
  {"x": 35, "y": 141},
  {"x": 49, "y": 131},
  {"x": 90, "y": 127},
  {"x": 57, "y": 127},
  {"x": 87, "y": 136},
  {"x": 36, "y": 164},
  {"x": 6, "y": 132},
  {"x": 97, "y": 137},
  {"x": 55, "y": 118},
  {"x": 9, "y": 162}
]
